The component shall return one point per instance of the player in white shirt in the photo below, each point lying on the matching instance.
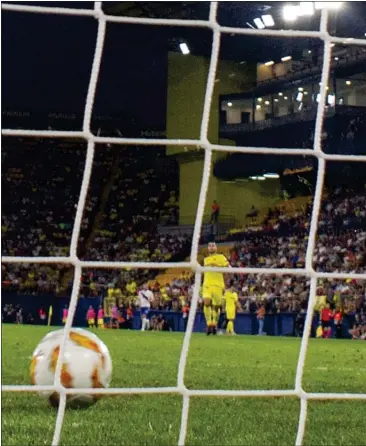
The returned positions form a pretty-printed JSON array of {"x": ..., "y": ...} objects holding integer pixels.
[{"x": 145, "y": 297}]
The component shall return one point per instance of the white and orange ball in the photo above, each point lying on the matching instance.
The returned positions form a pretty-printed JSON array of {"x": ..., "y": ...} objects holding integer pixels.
[{"x": 87, "y": 364}]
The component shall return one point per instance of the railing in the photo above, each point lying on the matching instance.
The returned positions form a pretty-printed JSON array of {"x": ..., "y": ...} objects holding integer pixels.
[
  {"x": 302, "y": 116},
  {"x": 224, "y": 224}
]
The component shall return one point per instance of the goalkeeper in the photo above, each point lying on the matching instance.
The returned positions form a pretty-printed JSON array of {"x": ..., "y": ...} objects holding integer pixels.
[{"x": 213, "y": 288}]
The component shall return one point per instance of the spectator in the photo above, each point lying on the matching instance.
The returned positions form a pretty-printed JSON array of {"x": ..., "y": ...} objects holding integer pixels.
[
  {"x": 325, "y": 317},
  {"x": 338, "y": 320},
  {"x": 260, "y": 317},
  {"x": 215, "y": 212}
]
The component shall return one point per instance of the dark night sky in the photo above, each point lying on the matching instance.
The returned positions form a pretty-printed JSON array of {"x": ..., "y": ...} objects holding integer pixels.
[{"x": 47, "y": 62}]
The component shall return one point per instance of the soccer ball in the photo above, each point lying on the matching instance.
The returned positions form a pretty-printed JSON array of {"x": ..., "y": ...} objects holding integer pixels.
[{"x": 87, "y": 364}]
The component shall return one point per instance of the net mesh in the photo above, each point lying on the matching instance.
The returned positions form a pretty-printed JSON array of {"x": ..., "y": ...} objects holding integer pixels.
[{"x": 193, "y": 264}]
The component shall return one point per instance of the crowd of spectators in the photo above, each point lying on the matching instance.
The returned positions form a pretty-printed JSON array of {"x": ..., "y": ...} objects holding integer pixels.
[
  {"x": 143, "y": 192},
  {"x": 42, "y": 180},
  {"x": 341, "y": 210},
  {"x": 143, "y": 195},
  {"x": 281, "y": 242}
]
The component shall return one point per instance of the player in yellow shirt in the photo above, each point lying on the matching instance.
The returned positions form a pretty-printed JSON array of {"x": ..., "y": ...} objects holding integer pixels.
[
  {"x": 213, "y": 288},
  {"x": 231, "y": 304}
]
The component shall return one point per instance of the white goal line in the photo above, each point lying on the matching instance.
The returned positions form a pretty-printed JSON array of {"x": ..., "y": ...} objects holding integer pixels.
[{"x": 188, "y": 392}]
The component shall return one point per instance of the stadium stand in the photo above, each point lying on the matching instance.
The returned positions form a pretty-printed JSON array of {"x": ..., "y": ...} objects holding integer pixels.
[
  {"x": 130, "y": 196},
  {"x": 39, "y": 176}
]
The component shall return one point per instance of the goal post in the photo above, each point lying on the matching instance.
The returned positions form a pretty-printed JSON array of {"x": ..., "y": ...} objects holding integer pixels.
[{"x": 204, "y": 143}]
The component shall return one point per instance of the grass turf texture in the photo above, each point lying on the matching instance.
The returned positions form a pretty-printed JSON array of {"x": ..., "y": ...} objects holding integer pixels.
[{"x": 151, "y": 359}]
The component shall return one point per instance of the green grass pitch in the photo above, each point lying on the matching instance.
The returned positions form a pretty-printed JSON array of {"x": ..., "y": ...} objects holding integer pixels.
[{"x": 151, "y": 359}]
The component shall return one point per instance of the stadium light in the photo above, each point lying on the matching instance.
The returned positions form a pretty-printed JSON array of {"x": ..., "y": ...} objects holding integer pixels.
[
  {"x": 286, "y": 58},
  {"x": 184, "y": 48},
  {"x": 331, "y": 99},
  {"x": 269, "y": 63},
  {"x": 291, "y": 13},
  {"x": 328, "y": 5},
  {"x": 268, "y": 20},
  {"x": 259, "y": 24},
  {"x": 271, "y": 175},
  {"x": 306, "y": 8}
]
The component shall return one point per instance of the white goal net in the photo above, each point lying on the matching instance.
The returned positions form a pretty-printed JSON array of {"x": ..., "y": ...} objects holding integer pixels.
[{"x": 203, "y": 142}]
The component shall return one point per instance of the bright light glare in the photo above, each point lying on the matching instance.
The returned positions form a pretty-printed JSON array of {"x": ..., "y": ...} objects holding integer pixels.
[
  {"x": 259, "y": 99},
  {"x": 268, "y": 20},
  {"x": 184, "y": 48},
  {"x": 291, "y": 12},
  {"x": 269, "y": 63},
  {"x": 260, "y": 178},
  {"x": 328, "y": 5},
  {"x": 267, "y": 102},
  {"x": 331, "y": 99},
  {"x": 229, "y": 104},
  {"x": 258, "y": 22},
  {"x": 306, "y": 8},
  {"x": 299, "y": 96},
  {"x": 271, "y": 175},
  {"x": 280, "y": 94},
  {"x": 286, "y": 58},
  {"x": 348, "y": 82}
]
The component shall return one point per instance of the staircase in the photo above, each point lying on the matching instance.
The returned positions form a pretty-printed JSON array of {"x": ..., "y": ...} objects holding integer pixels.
[{"x": 99, "y": 219}]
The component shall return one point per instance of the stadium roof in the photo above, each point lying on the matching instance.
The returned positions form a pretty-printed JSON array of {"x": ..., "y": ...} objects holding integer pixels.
[{"x": 348, "y": 21}]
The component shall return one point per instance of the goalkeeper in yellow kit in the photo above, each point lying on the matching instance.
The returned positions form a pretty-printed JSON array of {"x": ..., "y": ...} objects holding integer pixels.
[{"x": 213, "y": 288}]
